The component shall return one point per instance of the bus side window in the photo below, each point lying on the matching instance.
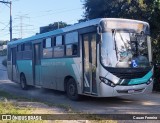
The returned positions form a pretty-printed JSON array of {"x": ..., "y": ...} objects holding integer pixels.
[
  {"x": 47, "y": 48},
  {"x": 53, "y": 41},
  {"x": 71, "y": 44},
  {"x": 27, "y": 46},
  {"x": 59, "y": 47},
  {"x": 74, "y": 49},
  {"x": 19, "y": 51},
  {"x": 19, "y": 48},
  {"x": 22, "y": 47},
  {"x": 27, "y": 54}
]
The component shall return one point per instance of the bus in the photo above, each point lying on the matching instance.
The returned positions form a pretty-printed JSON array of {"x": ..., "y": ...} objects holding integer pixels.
[{"x": 103, "y": 57}]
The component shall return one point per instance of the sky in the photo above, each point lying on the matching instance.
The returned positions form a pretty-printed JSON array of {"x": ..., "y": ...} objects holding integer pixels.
[{"x": 29, "y": 15}]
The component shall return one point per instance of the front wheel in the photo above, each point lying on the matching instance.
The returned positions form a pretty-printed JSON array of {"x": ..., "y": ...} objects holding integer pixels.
[
  {"x": 71, "y": 89},
  {"x": 23, "y": 82}
]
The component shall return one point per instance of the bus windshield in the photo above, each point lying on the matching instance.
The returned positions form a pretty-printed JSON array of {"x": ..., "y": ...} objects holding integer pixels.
[{"x": 124, "y": 49}]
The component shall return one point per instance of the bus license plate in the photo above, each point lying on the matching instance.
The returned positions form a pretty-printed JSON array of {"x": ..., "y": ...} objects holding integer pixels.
[{"x": 130, "y": 91}]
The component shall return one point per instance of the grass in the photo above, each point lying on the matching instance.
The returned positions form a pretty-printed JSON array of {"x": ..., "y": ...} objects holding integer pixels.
[
  {"x": 67, "y": 108},
  {"x": 11, "y": 96},
  {"x": 8, "y": 107}
]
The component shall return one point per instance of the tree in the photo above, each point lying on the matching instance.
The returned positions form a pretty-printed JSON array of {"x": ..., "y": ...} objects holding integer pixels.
[
  {"x": 54, "y": 26},
  {"x": 133, "y": 9}
]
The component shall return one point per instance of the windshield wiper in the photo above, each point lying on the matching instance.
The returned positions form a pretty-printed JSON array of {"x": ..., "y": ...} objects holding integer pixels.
[
  {"x": 115, "y": 44},
  {"x": 123, "y": 41}
]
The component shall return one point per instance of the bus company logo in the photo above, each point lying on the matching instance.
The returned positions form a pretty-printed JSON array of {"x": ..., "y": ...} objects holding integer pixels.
[{"x": 6, "y": 117}]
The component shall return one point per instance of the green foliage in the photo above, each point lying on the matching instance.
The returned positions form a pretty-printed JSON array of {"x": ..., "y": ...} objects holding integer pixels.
[
  {"x": 54, "y": 26},
  {"x": 132, "y": 9}
]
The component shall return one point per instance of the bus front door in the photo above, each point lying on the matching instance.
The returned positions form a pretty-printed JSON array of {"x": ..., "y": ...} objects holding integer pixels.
[
  {"x": 89, "y": 63},
  {"x": 37, "y": 64}
]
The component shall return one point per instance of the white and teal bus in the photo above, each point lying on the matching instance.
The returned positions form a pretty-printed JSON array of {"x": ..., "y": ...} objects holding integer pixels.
[{"x": 103, "y": 57}]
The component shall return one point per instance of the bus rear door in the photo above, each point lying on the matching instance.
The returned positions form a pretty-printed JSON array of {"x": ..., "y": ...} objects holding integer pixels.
[{"x": 37, "y": 64}]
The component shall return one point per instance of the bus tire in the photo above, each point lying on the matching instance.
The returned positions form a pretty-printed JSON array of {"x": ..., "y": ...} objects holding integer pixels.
[
  {"x": 23, "y": 82},
  {"x": 71, "y": 90}
]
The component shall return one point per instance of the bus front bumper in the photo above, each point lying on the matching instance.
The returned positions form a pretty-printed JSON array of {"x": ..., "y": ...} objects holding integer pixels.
[
  {"x": 107, "y": 91},
  {"x": 132, "y": 89}
]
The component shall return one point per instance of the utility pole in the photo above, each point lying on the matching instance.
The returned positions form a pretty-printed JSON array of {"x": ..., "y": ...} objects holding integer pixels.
[{"x": 10, "y": 3}]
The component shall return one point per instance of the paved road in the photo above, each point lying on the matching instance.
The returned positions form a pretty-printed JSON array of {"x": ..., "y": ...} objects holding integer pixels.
[{"x": 134, "y": 104}]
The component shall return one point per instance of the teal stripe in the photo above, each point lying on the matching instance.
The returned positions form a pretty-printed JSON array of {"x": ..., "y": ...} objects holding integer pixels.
[{"x": 141, "y": 80}]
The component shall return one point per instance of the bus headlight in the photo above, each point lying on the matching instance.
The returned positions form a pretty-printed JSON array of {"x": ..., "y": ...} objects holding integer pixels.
[
  {"x": 149, "y": 81},
  {"x": 106, "y": 81}
]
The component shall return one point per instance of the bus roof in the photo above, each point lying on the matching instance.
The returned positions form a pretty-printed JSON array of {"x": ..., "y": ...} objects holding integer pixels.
[{"x": 72, "y": 28}]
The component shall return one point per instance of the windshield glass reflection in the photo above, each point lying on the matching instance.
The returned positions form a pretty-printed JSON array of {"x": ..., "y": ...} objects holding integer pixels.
[{"x": 130, "y": 49}]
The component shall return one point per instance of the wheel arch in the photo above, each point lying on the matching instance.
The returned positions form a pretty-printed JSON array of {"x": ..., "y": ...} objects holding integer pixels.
[{"x": 66, "y": 80}]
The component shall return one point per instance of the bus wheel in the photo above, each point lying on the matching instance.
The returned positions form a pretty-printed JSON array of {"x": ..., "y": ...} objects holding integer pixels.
[
  {"x": 23, "y": 82},
  {"x": 71, "y": 89}
]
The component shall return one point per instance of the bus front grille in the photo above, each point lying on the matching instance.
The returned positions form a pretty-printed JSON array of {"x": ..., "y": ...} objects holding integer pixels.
[{"x": 129, "y": 73}]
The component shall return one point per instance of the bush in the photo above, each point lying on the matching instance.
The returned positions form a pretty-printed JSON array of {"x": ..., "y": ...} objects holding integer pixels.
[
  {"x": 4, "y": 62},
  {"x": 156, "y": 86}
]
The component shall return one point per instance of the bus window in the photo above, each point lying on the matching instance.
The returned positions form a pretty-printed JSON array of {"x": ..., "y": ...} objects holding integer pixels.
[
  {"x": 59, "y": 51},
  {"x": 18, "y": 48},
  {"x": 53, "y": 41},
  {"x": 68, "y": 50},
  {"x": 27, "y": 54},
  {"x": 71, "y": 44},
  {"x": 71, "y": 49},
  {"x": 22, "y": 47},
  {"x": 27, "y": 46},
  {"x": 58, "y": 40},
  {"x": 47, "y": 53},
  {"x": 47, "y": 48},
  {"x": 48, "y": 42},
  {"x": 59, "y": 48}
]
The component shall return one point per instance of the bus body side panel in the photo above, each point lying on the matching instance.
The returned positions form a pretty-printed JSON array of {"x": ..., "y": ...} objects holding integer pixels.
[
  {"x": 54, "y": 72},
  {"x": 48, "y": 73},
  {"x": 25, "y": 67}
]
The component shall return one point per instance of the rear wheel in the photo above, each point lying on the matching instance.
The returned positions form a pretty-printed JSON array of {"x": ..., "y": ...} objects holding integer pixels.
[
  {"x": 23, "y": 82},
  {"x": 71, "y": 89}
]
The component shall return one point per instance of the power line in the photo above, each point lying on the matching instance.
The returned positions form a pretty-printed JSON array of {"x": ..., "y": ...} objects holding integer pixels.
[
  {"x": 22, "y": 25},
  {"x": 10, "y": 3},
  {"x": 2, "y": 23},
  {"x": 5, "y": 27},
  {"x": 62, "y": 11}
]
